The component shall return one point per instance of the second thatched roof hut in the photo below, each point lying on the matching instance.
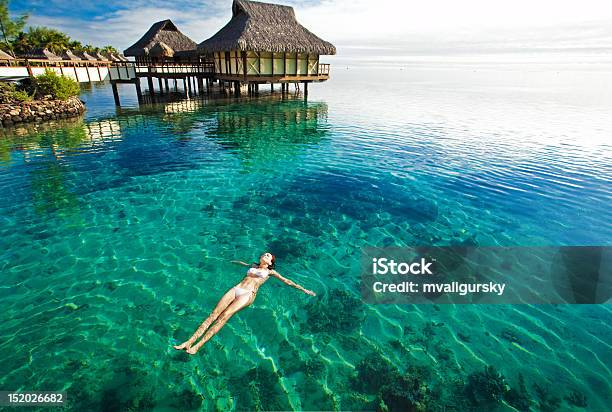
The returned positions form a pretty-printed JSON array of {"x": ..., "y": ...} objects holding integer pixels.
[
  {"x": 87, "y": 56},
  {"x": 99, "y": 56},
  {"x": 42, "y": 54},
  {"x": 161, "y": 41},
  {"x": 264, "y": 39},
  {"x": 69, "y": 55},
  {"x": 5, "y": 56}
]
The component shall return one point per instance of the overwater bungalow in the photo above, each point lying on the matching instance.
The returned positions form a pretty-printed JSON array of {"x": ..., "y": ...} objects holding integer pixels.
[
  {"x": 69, "y": 55},
  {"x": 100, "y": 57},
  {"x": 5, "y": 56},
  {"x": 264, "y": 43},
  {"x": 162, "y": 42},
  {"x": 42, "y": 54},
  {"x": 85, "y": 56},
  {"x": 112, "y": 57}
]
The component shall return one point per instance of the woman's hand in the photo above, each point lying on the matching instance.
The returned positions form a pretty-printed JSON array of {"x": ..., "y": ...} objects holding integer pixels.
[{"x": 309, "y": 292}]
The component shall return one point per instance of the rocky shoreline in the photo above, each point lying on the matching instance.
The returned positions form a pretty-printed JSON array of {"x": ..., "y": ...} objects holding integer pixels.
[{"x": 39, "y": 110}]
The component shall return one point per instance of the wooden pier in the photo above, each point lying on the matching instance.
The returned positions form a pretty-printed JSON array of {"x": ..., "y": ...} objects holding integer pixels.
[{"x": 196, "y": 77}]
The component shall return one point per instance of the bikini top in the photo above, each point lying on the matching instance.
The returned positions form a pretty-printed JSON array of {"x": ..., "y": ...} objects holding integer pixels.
[{"x": 259, "y": 272}]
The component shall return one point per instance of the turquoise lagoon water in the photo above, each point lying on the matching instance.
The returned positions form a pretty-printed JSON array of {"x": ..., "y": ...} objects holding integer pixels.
[{"x": 116, "y": 233}]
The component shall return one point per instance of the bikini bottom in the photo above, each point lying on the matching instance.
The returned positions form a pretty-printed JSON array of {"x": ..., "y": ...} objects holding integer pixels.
[{"x": 241, "y": 291}]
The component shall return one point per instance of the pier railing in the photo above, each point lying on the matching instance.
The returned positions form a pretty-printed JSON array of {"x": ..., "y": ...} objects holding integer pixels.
[
  {"x": 80, "y": 70},
  {"x": 176, "y": 68},
  {"x": 99, "y": 70},
  {"x": 323, "y": 69}
]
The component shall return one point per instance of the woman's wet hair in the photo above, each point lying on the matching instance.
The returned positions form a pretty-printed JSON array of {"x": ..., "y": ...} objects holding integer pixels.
[{"x": 271, "y": 265}]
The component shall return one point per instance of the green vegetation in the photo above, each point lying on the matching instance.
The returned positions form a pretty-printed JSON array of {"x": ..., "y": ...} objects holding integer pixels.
[
  {"x": 9, "y": 91},
  {"x": 58, "y": 86},
  {"x": 17, "y": 41},
  {"x": 48, "y": 84},
  {"x": 22, "y": 96},
  {"x": 10, "y": 27}
]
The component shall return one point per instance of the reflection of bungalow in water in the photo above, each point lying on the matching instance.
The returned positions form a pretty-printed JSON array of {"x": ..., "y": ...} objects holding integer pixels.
[
  {"x": 269, "y": 130},
  {"x": 265, "y": 43},
  {"x": 162, "y": 42}
]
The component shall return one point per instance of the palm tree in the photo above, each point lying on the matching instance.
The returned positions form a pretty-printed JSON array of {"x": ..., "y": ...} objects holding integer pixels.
[
  {"x": 42, "y": 37},
  {"x": 10, "y": 28},
  {"x": 75, "y": 45},
  {"x": 109, "y": 49}
]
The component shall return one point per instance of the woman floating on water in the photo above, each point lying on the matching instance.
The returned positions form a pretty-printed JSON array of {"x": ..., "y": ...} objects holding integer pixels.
[{"x": 238, "y": 297}]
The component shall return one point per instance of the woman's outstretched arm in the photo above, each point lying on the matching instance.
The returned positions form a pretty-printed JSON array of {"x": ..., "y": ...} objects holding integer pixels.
[
  {"x": 239, "y": 262},
  {"x": 291, "y": 283}
]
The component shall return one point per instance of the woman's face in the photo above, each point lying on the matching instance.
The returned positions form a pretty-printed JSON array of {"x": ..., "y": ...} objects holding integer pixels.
[{"x": 266, "y": 258}]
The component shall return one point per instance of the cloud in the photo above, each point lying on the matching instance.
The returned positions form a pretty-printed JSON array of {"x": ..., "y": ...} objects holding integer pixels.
[
  {"x": 124, "y": 27},
  {"x": 387, "y": 26}
]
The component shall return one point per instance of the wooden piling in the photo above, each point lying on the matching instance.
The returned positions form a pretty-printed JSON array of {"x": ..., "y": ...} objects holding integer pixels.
[
  {"x": 138, "y": 90},
  {"x": 150, "y": 80},
  {"x": 115, "y": 94}
]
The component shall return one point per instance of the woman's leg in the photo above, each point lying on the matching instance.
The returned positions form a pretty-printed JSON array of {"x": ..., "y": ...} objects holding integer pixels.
[
  {"x": 239, "y": 303},
  {"x": 224, "y": 302}
]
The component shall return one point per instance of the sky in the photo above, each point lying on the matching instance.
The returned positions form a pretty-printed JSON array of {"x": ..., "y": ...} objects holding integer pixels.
[{"x": 357, "y": 27}]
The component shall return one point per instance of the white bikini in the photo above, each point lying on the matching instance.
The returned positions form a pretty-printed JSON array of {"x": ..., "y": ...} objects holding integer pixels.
[{"x": 257, "y": 272}]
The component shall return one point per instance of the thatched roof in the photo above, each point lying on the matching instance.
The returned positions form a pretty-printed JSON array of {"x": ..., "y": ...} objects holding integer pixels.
[
  {"x": 5, "y": 56},
  {"x": 98, "y": 56},
  {"x": 161, "y": 49},
  {"x": 112, "y": 57},
  {"x": 161, "y": 32},
  {"x": 265, "y": 27},
  {"x": 68, "y": 55},
  {"x": 88, "y": 56},
  {"x": 43, "y": 54}
]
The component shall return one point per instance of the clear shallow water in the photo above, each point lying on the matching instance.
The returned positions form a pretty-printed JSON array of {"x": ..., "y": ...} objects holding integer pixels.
[{"x": 117, "y": 232}]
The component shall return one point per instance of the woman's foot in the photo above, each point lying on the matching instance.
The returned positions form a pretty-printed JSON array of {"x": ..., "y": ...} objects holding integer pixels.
[
  {"x": 181, "y": 346},
  {"x": 192, "y": 351}
]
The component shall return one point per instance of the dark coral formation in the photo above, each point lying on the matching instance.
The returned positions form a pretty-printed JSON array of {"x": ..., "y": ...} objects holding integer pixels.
[
  {"x": 339, "y": 311},
  {"x": 547, "y": 402},
  {"x": 519, "y": 397},
  {"x": 487, "y": 387},
  {"x": 576, "y": 398},
  {"x": 394, "y": 390},
  {"x": 259, "y": 390}
]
